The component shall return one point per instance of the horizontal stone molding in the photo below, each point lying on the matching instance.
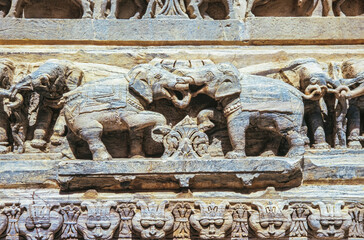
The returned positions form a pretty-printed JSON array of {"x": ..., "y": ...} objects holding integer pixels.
[{"x": 255, "y": 31}]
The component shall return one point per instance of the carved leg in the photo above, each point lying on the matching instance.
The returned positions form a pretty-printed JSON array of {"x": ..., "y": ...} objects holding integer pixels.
[
  {"x": 112, "y": 14},
  {"x": 91, "y": 131},
  {"x": 4, "y": 129},
  {"x": 140, "y": 6},
  {"x": 16, "y": 9},
  {"x": 42, "y": 126},
  {"x": 193, "y": 9},
  {"x": 230, "y": 9},
  {"x": 59, "y": 129},
  {"x": 86, "y": 7},
  {"x": 316, "y": 125},
  {"x": 354, "y": 127},
  {"x": 100, "y": 9},
  {"x": 327, "y": 8},
  {"x": 238, "y": 122},
  {"x": 138, "y": 122},
  {"x": 337, "y": 8}
]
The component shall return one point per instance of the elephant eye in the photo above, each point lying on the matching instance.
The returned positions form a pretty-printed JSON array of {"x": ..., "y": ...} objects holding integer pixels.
[
  {"x": 209, "y": 75},
  {"x": 158, "y": 76}
]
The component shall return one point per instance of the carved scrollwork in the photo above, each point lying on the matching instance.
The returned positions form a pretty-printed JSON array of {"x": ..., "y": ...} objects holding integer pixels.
[
  {"x": 70, "y": 215},
  {"x": 299, "y": 226},
  {"x": 181, "y": 229},
  {"x": 240, "y": 227},
  {"x": 13, "y": 213},
  {"x": 356, "y": 211},
  {"x": 40, "y": 221},
  {"x": 329, "y": 221},
  {"x": 127, "y": 212}
]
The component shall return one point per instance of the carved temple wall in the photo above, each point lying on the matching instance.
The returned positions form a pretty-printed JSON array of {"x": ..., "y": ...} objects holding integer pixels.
[{"x": 181, "y": 119}]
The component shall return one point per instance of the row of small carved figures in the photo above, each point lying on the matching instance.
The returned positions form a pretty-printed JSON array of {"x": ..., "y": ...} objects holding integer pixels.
[
  {"x": 111, "y": 220},
  {"x": 168, "y": 8},
  {"x": 120, "y": 102}
]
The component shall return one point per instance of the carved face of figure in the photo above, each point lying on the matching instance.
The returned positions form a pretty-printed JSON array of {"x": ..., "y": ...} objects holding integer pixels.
[
  {"x": 152, "y": 222},
  {"x": 213, "y": 221}
]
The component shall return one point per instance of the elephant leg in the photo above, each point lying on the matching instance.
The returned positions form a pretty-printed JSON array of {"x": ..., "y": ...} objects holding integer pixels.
[
  {"x": 353, "y": 126},
  {"x": 86, "y": 7},
  {"x": 136, "y": 144},
  {"x": 337, "y": 8},
  {"x": 100, "y": 9},
  {"x": 4, "y": 130},
  {"x": 41, "y": 129},
  {"x": 327, "y": 8},
  {"x": 316, "y": 126},
  {"x": 139, "y": 11},
  {"x": 138, "y": 122},
  {"x": 237, "y": 123},
  {"x": 59, "y": 130},
  {"x": 149, "y": 11},
  {"x": 113, "y": 6},
  {"x": 91, "y": 132}
]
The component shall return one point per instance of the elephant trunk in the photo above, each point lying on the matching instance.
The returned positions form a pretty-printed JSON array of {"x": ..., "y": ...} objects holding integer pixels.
[
  {"x": 314, "y": 92},
  {"x": 182, "y": 103}
]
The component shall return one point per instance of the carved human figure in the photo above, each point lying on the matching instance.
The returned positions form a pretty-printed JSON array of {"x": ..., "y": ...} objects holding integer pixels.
[
  {"x": 253, "y": 100},
  {"x": 313, "y": 79},
  {"x": 17, "y": 7},
  {"x": 6, "y": 79},
  {"x": 353, "y": 73},
  {"x": 119, "y": 103},
  {"x": 51, "y": 80}
]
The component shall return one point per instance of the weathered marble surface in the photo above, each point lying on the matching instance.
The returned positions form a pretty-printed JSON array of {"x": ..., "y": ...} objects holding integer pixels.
[{"x": 260, "y": 31}]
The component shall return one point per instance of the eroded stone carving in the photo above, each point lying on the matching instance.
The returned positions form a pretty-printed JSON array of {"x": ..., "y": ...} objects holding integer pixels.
[
  {"x": 70, "y": 216},
  {"x": 119, "y": 104},
  {"x": 13, "y": 213},
  {"x": 152, "y": 221},
  {"x": 127, "y": 212},
  {"x": 356, "y": 211},
  {"x": 271, "y": 220},
  {"x": 40, "y": 221},
  {"x": 17, "y": 7},
  {"x": 100, "y": 221},
  {"x": 299, "y": 227},
  {"x": 330, "y": 221},
  {"x": 242, "y": 98},
  {"x": 186, "y": 141},
  {"x": 213, "y": 221},
  {"x": 51, "y": 80},
  {"x": 181, "y": 228},
  {"x": 240, "y": 227}
]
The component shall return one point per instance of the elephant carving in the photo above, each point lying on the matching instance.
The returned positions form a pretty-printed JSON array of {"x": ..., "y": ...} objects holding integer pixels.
[
  {"x": 6, "y": 79},
  {"x": 249, "y": 100},
  {"x": 119, "y": 103},
  {"x": 197, "y": 8},
  {"x": 353, "y": 73},
  {"x": 4, "y": 6},
  {"x": 17, "y": 7},
  {"x": 313, "y": 80},
  {"x": 51, "y": 80},
  {"x": 141, "y": 6}
]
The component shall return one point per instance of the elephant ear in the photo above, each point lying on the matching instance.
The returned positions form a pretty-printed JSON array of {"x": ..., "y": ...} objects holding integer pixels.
[
  {"x": 74, "y": 77},
  {"x": 139, "y": 82}
]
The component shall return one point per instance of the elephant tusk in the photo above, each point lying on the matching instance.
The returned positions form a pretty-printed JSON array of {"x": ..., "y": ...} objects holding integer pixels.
[{"x": 184, "y": 102}]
